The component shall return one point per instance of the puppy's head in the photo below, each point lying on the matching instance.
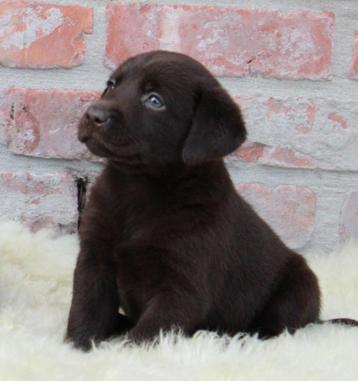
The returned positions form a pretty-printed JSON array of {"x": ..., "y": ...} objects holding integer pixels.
[{"x": 162, "y": 108}]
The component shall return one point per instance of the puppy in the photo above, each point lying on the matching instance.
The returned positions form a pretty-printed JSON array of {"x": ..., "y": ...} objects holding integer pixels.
[{"x": 164, "y": 235}]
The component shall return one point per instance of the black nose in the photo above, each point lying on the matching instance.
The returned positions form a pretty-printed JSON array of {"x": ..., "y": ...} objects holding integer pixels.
[{"x": 98, "y": 116}]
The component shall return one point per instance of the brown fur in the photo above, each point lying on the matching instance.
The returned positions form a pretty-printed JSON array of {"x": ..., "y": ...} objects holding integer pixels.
[{"x": 164, "y": 235}]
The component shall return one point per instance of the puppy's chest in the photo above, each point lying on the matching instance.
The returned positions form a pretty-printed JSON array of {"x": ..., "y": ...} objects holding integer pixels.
[
  {"x": 140, "y": 211},
  {"x": 155, "y": 211}
]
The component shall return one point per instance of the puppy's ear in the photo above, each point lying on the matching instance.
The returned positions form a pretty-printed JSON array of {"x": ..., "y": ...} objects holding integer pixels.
[{"x": 217, "y": 129}]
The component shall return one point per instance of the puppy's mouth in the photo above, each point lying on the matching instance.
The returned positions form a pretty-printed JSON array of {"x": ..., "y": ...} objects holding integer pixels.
[
  {"x": 112, "y": 148},
  {"x": 100, "y": 147},
  {"x": 97, "y": 148}
]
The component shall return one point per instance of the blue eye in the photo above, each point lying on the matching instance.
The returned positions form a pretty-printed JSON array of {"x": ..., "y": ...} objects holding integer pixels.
[
  {"x": 154, "y": 101},
  {"x": 111, "y": 84}
]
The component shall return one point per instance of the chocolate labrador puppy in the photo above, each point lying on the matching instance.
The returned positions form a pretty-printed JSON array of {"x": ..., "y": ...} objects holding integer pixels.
[{"x": 164, "y": 235}]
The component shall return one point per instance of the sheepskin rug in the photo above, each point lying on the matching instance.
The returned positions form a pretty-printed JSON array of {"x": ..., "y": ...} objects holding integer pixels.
[{"x": 35, "y": 292}]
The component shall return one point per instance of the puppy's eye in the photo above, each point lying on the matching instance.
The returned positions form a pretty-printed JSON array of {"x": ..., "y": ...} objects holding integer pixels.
[
  {"x": 154, "y": 101},
  {"x": 111, "y": 84}
]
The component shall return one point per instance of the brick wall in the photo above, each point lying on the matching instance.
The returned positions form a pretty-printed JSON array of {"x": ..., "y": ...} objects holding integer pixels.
[{"x": 291, "y": 65}]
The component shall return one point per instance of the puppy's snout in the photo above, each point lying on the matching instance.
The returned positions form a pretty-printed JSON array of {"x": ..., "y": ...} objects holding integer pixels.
[{"x": 99, "y": 116}]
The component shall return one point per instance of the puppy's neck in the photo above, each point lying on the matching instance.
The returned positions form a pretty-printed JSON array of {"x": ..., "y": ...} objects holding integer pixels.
[
  {"x": 206, "y": 184},
  {"x": 169, "y": 172}
]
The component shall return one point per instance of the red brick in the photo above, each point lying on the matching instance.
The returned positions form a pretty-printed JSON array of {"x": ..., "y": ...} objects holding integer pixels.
[
  {"x": 38, "y": 35},
  {"x": 286, "y": 157},
  {"x": 349, "y": 216},
  {"x": 43, "y": 123},
  {"x": 229, "y": 40},
  {"x": 39, "y": 200},
  {"x": 301, "y": 133},
  {"x": 250, "y": 152},
  {"x": 5, "y": 114},
  {"x": 290, "y": 210},
  {"x": 354, "y": 71}
]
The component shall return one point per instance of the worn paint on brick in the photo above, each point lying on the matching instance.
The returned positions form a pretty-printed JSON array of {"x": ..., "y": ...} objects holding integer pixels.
[
  {"x": 284, "y": 203},
  {"x": 228, "y": 40},
  {"x": 44, "y": 122},
  {"x": 354, "y": 70},
  {"x": 302, "y": 133},
  {"x": 37, "y": 35},
  {"x": 39, "y": 200},
  {"x": 349, "y": 216}
]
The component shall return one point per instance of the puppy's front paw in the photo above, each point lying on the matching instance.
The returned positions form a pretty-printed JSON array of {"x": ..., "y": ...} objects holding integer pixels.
[
  {"x": 82, "y": 342},
  {"x": 137, "y": 336}
]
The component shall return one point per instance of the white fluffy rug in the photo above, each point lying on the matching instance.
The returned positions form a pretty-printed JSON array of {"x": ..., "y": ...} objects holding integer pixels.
[{"x": 35, "y": 290}]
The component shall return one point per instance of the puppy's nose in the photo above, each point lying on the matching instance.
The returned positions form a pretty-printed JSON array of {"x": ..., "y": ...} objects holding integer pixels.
[{"x": 98, "y": 116}]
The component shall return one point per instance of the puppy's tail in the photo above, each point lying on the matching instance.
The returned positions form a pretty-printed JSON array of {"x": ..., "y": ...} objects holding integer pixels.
[{"x": 340, "y": 321}]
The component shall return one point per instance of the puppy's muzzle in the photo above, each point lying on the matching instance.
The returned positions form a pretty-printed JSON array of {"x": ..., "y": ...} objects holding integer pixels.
[
  {"x": 98, "y": 116},
  {"x": 96, "y": 119}
]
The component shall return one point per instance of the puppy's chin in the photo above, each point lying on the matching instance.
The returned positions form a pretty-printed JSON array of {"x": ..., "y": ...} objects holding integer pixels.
[{"x": 97, "y": 149}]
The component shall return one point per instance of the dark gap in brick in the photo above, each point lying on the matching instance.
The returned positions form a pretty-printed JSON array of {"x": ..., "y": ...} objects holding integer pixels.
[
  {"x": 251, "y": 60},
  {"x": 12, "y": 112},
  {"x": 82, "y": 183}
]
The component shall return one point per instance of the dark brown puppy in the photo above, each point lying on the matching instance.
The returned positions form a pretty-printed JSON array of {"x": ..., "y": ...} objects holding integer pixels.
[{"x": 164, "y": 235}]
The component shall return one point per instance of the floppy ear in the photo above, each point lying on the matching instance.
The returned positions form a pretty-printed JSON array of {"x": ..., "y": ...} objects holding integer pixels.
[{"x": 217, "y": 129}]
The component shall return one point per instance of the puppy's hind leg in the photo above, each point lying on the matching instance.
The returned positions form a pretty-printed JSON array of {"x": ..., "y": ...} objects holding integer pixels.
[
  {"x": 295, "y": 303},
  {"x": 166, "y": 312}
]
